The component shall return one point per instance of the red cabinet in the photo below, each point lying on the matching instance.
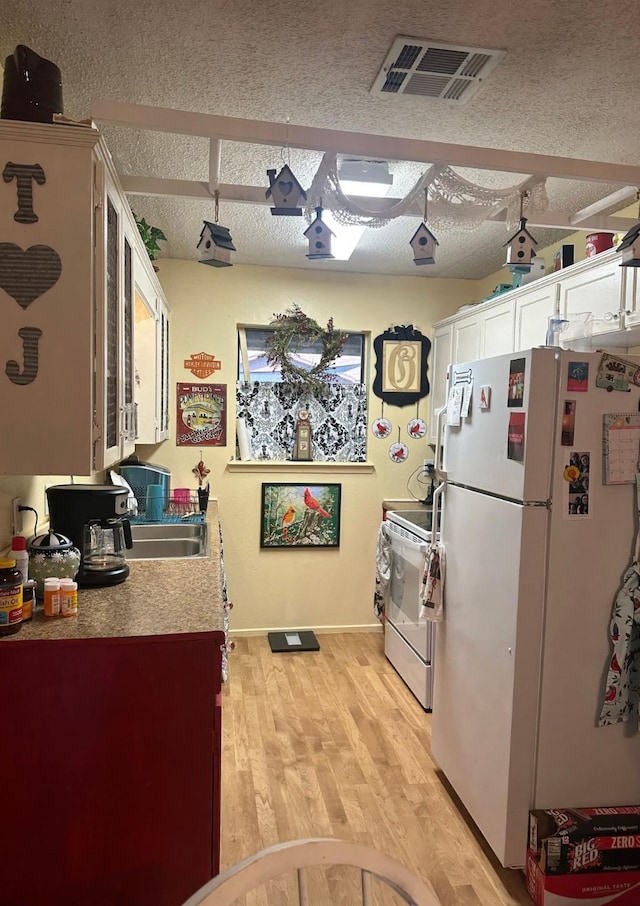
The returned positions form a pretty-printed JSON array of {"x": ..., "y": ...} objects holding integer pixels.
[{"x": 111, "y": 770}]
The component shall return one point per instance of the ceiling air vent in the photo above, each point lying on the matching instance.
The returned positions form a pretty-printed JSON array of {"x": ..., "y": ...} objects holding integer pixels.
[{"x": 423, "y": 68}]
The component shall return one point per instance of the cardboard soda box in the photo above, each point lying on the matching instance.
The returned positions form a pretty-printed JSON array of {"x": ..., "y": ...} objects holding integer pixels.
[
  {"x": 598, "y": 888},
  {"x": 567, "y": 841}
]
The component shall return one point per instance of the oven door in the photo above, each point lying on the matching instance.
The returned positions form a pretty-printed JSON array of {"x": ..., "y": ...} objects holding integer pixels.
[{"x": 403, "y": 607}]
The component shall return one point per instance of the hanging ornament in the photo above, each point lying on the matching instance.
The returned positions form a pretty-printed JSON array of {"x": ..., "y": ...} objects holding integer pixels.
[
  {"x": 398, "y": 452},
  {"x": 423, "y": 242},
  {"x": 381, "y": 427},
  {"x": 215, "y": 245},
  {"x": 521, "y": 247},
  {"x": 319, "y": 236},
  {"x": 285, "y": 192},
  {"x": 417, "y": 427}
]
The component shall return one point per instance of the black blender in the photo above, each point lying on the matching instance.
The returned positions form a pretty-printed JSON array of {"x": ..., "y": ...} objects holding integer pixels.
[{"x": 94, "y": 517}]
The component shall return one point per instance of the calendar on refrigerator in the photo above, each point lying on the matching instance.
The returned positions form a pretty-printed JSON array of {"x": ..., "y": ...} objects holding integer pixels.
[{"x": 621, "y": 447}]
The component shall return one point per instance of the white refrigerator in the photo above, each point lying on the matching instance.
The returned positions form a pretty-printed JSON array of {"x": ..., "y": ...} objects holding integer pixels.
[{"x": 534, "y": 558}]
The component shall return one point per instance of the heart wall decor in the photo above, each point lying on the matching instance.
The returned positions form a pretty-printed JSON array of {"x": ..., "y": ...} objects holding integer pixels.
[{"x": 26, "y": 274}]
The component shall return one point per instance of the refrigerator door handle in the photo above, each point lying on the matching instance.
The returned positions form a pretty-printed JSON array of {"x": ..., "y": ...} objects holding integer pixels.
[
  {"x": 436, "y": 528},
  {"x": 440, "y": 473}
]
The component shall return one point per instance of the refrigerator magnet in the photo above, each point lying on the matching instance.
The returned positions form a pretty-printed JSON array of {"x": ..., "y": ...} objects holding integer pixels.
[
  {"x": 516, "y": 382},
  {"x": 467, "y": 393},
  {"x": 568, "y": 423},
  {"x": 515, "y": 436},
  {"x": 576, "y": 485},
  {"x": 485, "y": 396},
  {"x": 578, "y": 377}
]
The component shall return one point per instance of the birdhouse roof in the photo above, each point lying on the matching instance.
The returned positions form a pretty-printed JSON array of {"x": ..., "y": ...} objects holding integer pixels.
[
  {"x": 423, "y": 228},
  {"x": 286, "y": 173},
  {"x": 220, "y": 235},
  {"x": 319, "y": 219},
  {"x": 521, "y": 229},
  {"x": 629, "y": 238}
]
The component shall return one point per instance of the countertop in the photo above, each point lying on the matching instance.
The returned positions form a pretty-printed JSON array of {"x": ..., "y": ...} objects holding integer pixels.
[{"x": 159, "y": 597}]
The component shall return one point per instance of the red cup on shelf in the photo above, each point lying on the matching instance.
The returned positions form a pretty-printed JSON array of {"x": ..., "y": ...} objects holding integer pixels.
[
  {"x": 181, "y": 495},
  {"x": 598, "y": 242}
]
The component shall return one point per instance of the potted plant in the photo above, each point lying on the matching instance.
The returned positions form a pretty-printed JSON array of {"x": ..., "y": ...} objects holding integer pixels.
[{"x": 150, "y": 236}]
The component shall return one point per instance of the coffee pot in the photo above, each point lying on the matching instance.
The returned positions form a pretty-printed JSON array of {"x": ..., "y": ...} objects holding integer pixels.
[
  {"x": 104, "y": 543},
  {"x": 94, "y": 517}
]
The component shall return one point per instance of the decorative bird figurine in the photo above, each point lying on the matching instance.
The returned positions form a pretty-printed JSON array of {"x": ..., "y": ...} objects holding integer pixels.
[
  {"x": 313, "y": 504},
  {"x": 287, "y": 519}
]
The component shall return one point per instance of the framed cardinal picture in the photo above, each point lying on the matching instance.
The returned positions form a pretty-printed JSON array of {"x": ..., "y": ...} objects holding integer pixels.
[{"x": 300, "y": 515}]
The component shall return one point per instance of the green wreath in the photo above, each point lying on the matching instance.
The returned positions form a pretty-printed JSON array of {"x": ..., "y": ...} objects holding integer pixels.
[{"x": 292, "y": 329}]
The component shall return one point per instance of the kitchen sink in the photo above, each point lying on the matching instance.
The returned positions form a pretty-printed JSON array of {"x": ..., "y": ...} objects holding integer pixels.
[
  {"x": 145, "y": 532},
  {"x": 168, "y": 541}
]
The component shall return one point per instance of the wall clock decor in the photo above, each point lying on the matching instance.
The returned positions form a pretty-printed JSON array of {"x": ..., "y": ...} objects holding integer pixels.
[{"x": 401, "y": 365}]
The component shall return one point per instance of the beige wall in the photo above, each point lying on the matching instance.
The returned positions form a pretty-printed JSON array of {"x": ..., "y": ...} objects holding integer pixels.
[{"x": 294, "y": 588}]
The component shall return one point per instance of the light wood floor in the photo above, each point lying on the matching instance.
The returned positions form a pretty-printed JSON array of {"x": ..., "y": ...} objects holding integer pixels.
[{"x": 332, "y": 743}]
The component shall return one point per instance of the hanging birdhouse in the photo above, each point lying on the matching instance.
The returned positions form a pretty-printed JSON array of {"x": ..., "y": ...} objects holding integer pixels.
[
  {"x": 521, "y": 247},
  {"x": 423, "y": 243},
  {"x": 319, "y": 237},
  {"x": 285, "y": 192},
  {"x": 630, "y": 248},
  {"x": 215, "y": 245}
]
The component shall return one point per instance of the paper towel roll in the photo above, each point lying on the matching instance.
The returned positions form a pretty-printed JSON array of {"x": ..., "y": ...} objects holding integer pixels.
[{"x": 244, "y": 440}]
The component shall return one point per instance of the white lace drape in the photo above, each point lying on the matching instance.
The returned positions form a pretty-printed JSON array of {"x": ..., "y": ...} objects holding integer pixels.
[{"x": 455, "y": 204}]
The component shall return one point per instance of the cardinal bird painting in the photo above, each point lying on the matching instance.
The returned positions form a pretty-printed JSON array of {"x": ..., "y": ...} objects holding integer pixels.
[
  {"x": 311, "y": 502},
  {"x": 300, "y": 515}
]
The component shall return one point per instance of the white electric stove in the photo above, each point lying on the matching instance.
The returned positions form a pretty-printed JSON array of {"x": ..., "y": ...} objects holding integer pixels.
[{"x": 408, "y": 641}]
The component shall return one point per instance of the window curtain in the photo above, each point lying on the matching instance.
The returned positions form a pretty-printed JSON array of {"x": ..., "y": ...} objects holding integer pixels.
[{"x": 338, "y": 420}]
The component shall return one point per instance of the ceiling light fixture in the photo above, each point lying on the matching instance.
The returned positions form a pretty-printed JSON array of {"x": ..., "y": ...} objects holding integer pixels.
[{"x": 359, "y": 178}]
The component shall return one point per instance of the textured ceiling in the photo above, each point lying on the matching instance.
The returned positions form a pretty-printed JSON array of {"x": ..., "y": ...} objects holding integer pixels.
[{"x": 565, "y": 87}]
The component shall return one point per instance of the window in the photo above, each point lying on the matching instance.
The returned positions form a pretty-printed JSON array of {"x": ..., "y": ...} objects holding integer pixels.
[{"x": 348, "y": 368}]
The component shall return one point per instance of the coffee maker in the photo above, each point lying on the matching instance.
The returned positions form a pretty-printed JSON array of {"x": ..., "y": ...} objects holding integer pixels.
[{"x": 93, "y": 516}]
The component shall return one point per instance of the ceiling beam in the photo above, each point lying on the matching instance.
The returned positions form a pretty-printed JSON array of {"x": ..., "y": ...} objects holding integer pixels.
[
  {"x": 234, "y": 129},
  {"x": 254, "y": 195},
  {"x": 615, "y": 200},
  {"x": 555, "y": 220}
]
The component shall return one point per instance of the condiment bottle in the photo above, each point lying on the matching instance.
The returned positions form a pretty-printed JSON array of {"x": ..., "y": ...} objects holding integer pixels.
[
  {"x": 52, "y": 597},
  {"x": 20, "y": 555},
  {"x": 69, "y": 598},
  {"x": 10, "y": 598}
]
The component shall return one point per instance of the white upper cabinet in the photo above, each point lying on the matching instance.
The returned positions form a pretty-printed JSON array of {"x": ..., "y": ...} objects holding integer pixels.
[
  {"x": 534, "y": 305},
  {"x": 594, "y": 286},
  {"x": 466, "y": 339},
  {"x": 67, "y": 246},
  {"x": 151, "y": 354},
  {"x": 496, "y": 329},
  {"x": 441, "y": 352}
]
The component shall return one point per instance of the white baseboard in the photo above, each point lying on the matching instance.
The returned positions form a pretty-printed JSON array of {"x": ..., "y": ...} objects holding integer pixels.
[{"x": 319, "y": 630}]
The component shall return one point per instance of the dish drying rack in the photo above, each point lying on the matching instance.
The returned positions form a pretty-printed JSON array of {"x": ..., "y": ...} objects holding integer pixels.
[{"x": 177, "y": 507}]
